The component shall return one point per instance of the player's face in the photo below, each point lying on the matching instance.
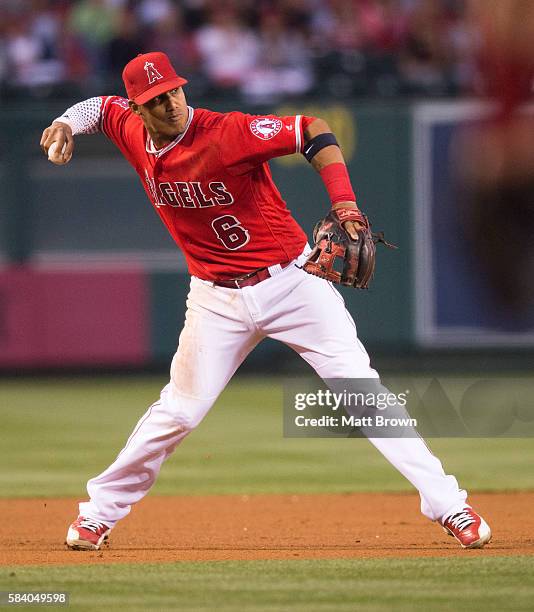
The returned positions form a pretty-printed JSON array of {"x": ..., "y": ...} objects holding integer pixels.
[{"x": 164, "y": 116}]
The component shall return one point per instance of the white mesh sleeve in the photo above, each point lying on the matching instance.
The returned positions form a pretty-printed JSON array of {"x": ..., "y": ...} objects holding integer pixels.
[{"x": 83, "y": 117}]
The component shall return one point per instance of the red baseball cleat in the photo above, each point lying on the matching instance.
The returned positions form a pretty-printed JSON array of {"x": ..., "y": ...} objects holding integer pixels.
[
  {"x": 470, "y": 529},
  {"x": 87, "y": 534}
]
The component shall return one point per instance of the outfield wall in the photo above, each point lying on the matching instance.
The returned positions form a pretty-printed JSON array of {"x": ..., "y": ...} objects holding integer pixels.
[{"x": 89, "y": 276}]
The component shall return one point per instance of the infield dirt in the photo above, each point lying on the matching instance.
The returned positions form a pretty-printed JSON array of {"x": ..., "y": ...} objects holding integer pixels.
[{"x": 242, "y": 527}]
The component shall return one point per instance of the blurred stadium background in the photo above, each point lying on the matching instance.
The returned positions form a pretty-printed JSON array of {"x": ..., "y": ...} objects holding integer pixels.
[{"x": 89, "y": 278}]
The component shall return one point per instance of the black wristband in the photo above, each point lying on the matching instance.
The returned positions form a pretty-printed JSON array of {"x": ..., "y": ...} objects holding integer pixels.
[{"x": 315, "y": 144}]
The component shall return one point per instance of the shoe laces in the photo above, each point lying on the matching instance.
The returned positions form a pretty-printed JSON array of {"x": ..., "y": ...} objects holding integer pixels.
[
  {"x": 92, "y": 525},
  {"x": 461, "y": 520}
]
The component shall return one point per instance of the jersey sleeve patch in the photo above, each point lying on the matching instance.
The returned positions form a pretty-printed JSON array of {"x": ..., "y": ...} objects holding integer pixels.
[
  {"x": 265, "y": 128},
  {"x": 122, "y": 102},
  {"x": 115, "y": 111}
]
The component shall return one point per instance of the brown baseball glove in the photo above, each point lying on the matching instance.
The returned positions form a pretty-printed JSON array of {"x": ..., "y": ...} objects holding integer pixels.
[{"x": 339, "y": 258}]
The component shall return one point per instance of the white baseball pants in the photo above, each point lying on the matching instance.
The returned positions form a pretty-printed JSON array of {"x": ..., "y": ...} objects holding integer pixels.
[{"x": 222, "y": 326}]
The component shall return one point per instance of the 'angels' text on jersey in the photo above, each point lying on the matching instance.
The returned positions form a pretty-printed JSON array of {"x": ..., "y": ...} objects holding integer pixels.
[{"x": 189, "y": 194}]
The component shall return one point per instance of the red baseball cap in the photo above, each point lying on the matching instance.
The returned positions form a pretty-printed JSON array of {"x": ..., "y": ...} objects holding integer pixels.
[{"x": 148, "y": 75}]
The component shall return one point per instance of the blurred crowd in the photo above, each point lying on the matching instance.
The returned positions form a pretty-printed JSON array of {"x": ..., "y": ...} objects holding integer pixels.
[{"x": 261, "y": 50}]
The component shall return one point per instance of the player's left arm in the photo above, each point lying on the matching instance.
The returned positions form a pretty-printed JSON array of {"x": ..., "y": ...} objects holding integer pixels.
[
  {"x": 327, "y": 159},
  {"x": 345, "y": 233}
]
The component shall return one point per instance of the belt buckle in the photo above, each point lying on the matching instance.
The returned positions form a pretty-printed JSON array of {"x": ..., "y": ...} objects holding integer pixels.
[{"x": 246, "y": 277}]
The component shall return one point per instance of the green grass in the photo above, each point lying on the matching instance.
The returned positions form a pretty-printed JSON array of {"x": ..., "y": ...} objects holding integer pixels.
[
  {"x": 55, "y": 434},
  {"x": 490, "y": 583}
]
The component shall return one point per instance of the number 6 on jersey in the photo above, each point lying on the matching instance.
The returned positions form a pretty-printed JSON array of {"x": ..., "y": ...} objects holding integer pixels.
[{"x": 230, "y": 232}]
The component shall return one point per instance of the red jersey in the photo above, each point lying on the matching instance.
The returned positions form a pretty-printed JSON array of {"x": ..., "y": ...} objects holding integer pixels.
[{"x": 212, "y": 186}]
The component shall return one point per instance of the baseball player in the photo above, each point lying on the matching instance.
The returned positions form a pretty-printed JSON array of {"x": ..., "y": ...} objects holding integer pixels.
[{"x": 207, "y": 176}]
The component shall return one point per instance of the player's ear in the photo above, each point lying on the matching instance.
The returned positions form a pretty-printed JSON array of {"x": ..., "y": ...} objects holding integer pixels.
[{"x": 134, "y": 107}]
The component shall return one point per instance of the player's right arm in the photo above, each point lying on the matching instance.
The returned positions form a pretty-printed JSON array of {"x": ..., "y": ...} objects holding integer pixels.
[
  {"x": 82, "y": 118},
  {"x": 106, "y": 114},
  {"x": 61, "y": 134}
]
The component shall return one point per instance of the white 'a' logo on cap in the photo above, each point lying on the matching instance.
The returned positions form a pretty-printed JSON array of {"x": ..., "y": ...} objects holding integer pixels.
[{"x": 152, "y": 73}]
